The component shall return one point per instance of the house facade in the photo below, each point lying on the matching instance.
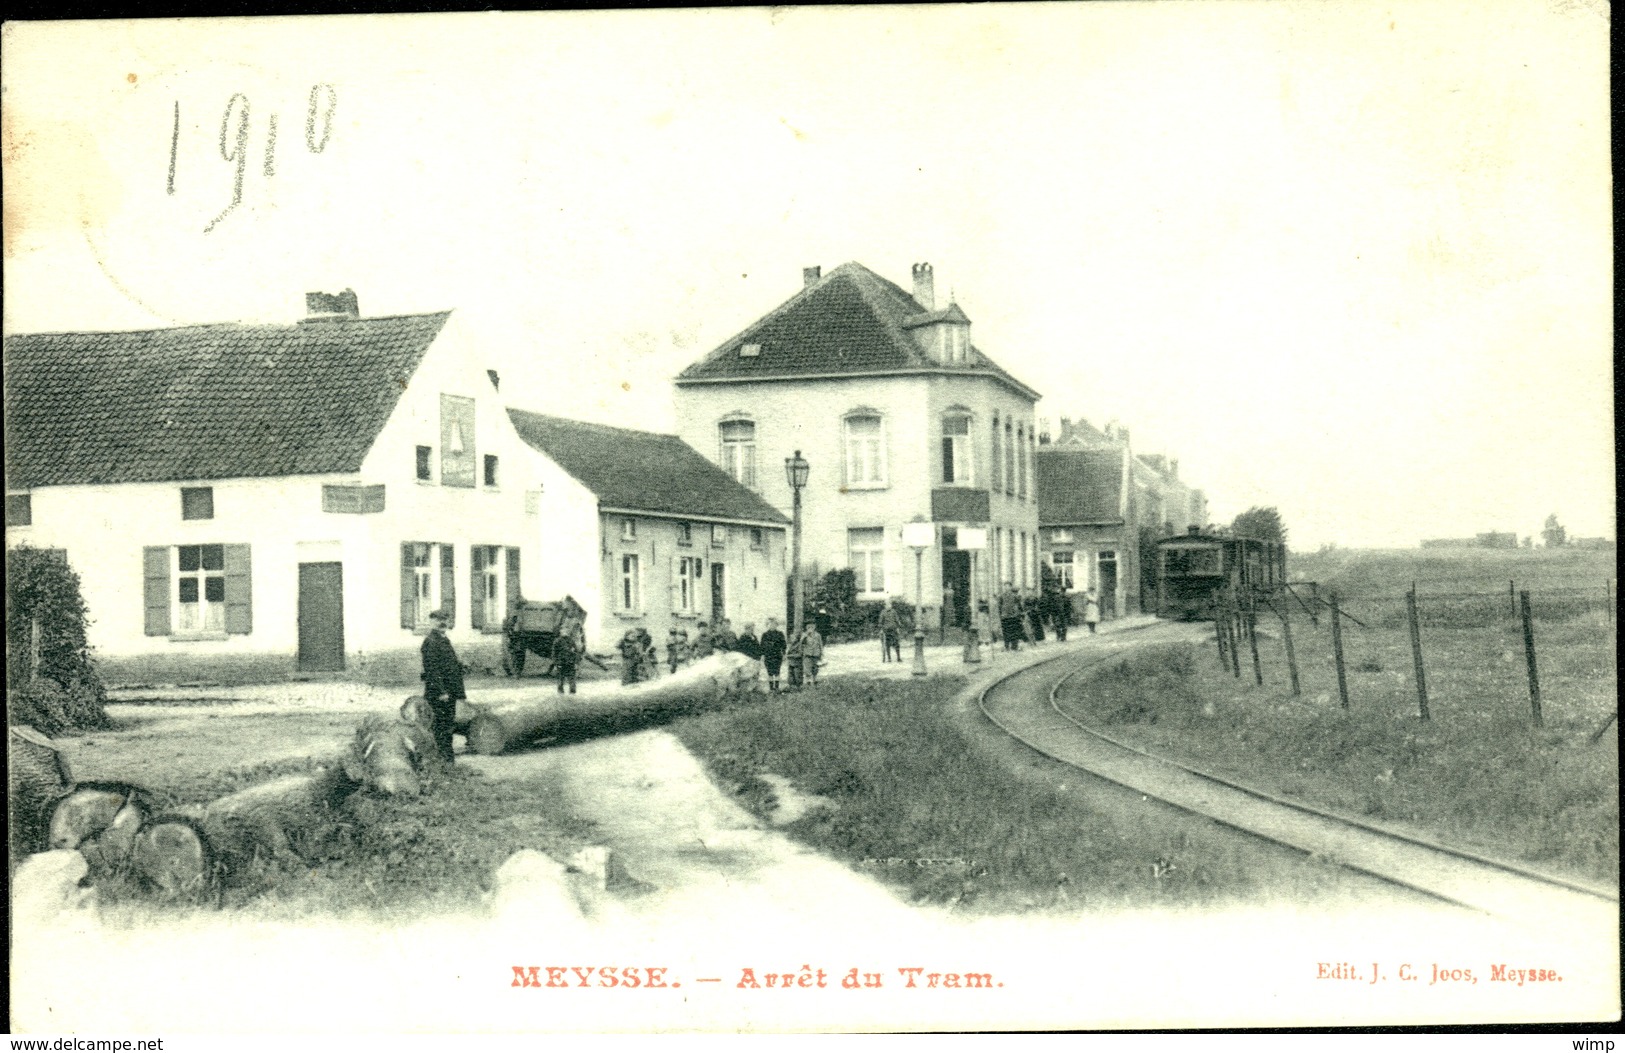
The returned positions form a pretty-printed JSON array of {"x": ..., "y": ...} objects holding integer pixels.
[
  {"x": 256, "y": 500},
  {"x": 1096, "y": 500},
  {"x": 1086, "y": 523},
  {"x": 901, "y": 418},
  {"x": 673, "y": 540}
]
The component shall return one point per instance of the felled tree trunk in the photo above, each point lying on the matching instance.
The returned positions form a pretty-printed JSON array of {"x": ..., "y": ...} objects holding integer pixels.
[
  {"x": 416, "y": 710},
  {"x": 389, "y": 755},
  {"x": 512, "y": 724},
  {"x": 190, "y": 850}
]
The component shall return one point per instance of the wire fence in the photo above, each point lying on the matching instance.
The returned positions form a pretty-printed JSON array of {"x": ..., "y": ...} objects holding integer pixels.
[{"x": 1362, "y": 633}]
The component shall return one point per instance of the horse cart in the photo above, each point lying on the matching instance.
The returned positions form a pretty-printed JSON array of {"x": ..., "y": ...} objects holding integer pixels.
[{"x": 533, "y": 627}]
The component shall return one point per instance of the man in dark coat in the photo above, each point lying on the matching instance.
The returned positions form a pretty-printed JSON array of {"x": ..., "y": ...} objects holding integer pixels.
[
  {"x": 442, "y": 681},
  {"x": 1010, "y": 617}
]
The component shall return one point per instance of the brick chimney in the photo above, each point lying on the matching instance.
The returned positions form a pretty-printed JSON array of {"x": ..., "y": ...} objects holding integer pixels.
[
  {"x": 320, "y": 306},
  {"x": 925, "y": 286},
  {"x": 810, "y": 275}
]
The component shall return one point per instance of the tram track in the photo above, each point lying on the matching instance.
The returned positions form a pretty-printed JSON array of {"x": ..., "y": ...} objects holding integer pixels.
[{"x": 1025, "y": 705}]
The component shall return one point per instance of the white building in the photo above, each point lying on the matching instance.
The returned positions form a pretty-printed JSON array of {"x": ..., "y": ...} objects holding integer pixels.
[
  {"x": 673, "y": 541},
  {"x": 249, "y": 500},
  {"x": 901, "y": 417}
]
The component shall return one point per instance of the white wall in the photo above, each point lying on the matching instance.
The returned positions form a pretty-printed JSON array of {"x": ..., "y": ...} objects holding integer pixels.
[
  {"x": 807, "y": 415},
  {"x": 105, "y": 528},
  {"x": 564, "y": 537},
  {"x": 753, "y": 581}
]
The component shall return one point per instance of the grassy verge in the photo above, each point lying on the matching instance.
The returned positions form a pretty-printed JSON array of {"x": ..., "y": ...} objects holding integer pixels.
[
  {"x": 1475, "y": 775},
  {"x": 914, "y": 803},
  {"x": 379, "y": 858}
]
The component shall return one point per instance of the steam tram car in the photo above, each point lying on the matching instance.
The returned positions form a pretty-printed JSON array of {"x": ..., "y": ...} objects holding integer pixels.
[{"x": 1195, "y": 571}]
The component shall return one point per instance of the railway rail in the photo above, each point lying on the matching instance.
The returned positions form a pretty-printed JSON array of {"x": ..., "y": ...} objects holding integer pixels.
[{"x": 1025, "y": 705}]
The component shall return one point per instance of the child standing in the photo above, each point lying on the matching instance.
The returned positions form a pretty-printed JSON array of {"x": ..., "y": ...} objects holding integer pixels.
[
  {"x": 812, "y": 652},
  {"x": 674, "y": 650},
  {"x": 774, "y": 646},
  {"x": 565, "y": 659}
]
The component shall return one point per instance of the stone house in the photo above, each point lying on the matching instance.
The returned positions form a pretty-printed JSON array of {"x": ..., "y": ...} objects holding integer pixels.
[
  {"x": 255, "y": 500},
  {"x": 670, "y": 539},
  {"x": 1096, "y": 499},
  {"x": 901, "y": 417}
]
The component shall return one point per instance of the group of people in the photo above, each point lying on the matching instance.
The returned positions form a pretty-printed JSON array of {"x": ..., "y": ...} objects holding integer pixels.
[
  {"x": 1025, "y": 617},
  {"x": 800, "y": 657}
]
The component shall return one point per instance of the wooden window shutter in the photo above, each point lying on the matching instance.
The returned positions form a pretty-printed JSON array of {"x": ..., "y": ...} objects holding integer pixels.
[
  {"x": 239, "y": 591},
  {"x": 676, "y": 584},
  {"x": 448, "y": 583},
  {"x": 409, "y": 588},
  {"x": 514, "y": 593},
  {"x": 476, "y": 587},
  {"x": 155, "y": 588}
]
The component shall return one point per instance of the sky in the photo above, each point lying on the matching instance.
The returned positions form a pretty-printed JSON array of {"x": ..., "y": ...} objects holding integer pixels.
[{"x": 1350, "y": 260}]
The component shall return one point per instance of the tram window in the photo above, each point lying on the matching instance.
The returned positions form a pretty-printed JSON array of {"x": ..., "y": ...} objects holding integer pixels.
[{"x": 1190, "y": 561}]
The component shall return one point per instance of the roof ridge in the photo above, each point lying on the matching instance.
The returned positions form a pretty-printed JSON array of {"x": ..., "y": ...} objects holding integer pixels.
[
  {"x": 894, "y": 327},
  {"x": 594, "y": 424},
  {"x": 796, "y": 298},
  {"x": 226, "y": 325}
]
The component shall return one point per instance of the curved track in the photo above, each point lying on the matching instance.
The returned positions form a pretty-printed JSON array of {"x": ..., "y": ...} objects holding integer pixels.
[{"x": 1024, "y": 705}]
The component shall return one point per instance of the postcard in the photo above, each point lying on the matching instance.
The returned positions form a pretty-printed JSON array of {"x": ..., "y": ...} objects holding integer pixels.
[{"x": 907, "y": 518}]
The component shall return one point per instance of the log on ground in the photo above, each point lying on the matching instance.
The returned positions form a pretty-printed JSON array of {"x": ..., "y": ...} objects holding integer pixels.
[
  {"x": 711, "y": 680},
  {"x": 197, "y": 845}
]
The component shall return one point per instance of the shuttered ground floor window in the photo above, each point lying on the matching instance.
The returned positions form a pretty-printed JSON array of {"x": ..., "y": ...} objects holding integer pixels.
[
  {"x": 428, "y": 582},
  {"x": 197, "y": 591},
  {"x": 494, "y": 589}
]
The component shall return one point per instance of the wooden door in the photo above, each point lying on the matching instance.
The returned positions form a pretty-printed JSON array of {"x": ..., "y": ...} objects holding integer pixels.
[{"x": 321, "y": 617}]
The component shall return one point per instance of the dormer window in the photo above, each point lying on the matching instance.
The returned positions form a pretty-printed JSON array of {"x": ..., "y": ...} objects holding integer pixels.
[
  {"x": 750, "y": 350},
  {"x": 958, "y": 344}
]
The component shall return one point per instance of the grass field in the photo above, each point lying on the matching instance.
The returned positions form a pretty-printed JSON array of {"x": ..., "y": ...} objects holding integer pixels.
[
  {"x": 1477, "y": 774},
  {"x": 918, "y": 804}
]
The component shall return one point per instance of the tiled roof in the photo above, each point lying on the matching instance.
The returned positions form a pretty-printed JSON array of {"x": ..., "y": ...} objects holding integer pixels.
[
  {"x": 205, "y": 402},
  {"x": 850, "y": 321},
  {"x": 1078, "y": 485},
  {"x": 642, "y": 471}
]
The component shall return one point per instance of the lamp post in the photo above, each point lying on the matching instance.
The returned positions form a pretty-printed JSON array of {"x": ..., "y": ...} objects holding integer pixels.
[
  {"x": 918, "y": 536},
  {"x": 796, "y": 470}
]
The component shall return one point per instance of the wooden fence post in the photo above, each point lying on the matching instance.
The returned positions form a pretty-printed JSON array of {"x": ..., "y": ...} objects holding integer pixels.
[
  {"x": 1252, "y": 640},
  {"x": 1291, "y": 655},
  {"x": 1314, "y": 607},
  {"x": 1233, "y": 620},
  {"x": 1529, "y": 654},
  {"x": 1512, "y": 598},
  {"x": 1416, "y": 652},
  {"x": 1218, "y": 635},
  {"x": 1608, "y": 599},
  {"x": 1337, "y": 654}
]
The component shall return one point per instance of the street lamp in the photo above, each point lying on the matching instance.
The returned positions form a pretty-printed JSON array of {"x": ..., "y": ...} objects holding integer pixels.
[
  {"x": 918, "y": 536},
  {"x": 796, "y": 470}
]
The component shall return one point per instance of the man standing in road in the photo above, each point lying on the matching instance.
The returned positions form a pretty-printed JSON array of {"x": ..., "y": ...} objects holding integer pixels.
[
  {"x": 442, "y": 681},
  {"x": 1010, "y": 617}
]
